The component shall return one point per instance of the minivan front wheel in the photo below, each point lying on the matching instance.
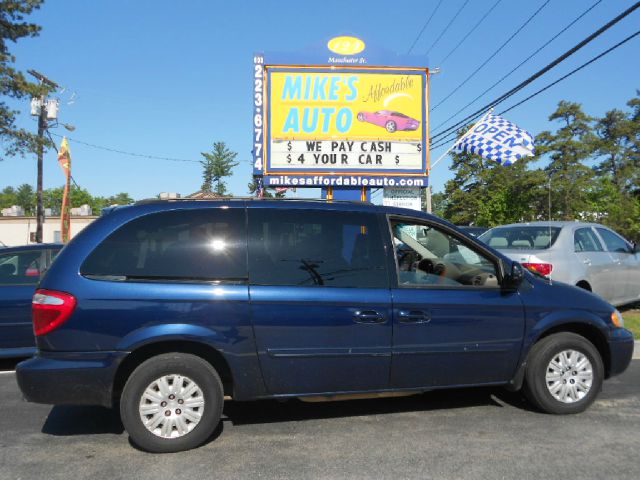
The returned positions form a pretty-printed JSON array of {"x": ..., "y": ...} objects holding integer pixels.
[
  {"x": 564, "y": 374},
  {"x": 171, "y": 402}
]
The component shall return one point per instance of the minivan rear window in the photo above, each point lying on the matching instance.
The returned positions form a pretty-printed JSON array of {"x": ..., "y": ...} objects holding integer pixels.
[
  {"x": 178, "y": 245},
  {"x": 539, "y": 237}
]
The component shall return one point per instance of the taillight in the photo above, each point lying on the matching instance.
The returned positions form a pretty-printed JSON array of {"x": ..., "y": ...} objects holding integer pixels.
[
  {"x": 542, "y": 268},
  {"x": 50, "y": 310}
]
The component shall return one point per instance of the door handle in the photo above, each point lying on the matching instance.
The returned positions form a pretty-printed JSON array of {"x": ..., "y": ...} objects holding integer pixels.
[
  {"x": 368, "y": 316},
  {"x": 413, "y": 316},
  {"x": 586, "y": 261}
]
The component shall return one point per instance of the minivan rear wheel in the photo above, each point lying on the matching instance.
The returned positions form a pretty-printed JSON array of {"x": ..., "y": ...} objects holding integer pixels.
[
  {"x": 564, "y": 374},
  {"x": 171, "y": 402}
]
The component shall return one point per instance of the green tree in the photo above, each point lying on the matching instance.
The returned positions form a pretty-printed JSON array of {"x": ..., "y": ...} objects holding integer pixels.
[
  {"x": 13, "y": 84},
  {"x": 217, "y": 165},
  {"x": 569, "y": 148},
  {"x": 8, "y": 197},
  {"x": 485, "y": 193},
  {"x": 121, "y": 198},
  {"x": 616, "y": 193},
  {"x": 615, "y": 136},
  {"x": 268, "y": 192},
  {"x": 26, "y": 198},
  {"x": 52, "y": 198},
  {"x": 439, "y": 203}
]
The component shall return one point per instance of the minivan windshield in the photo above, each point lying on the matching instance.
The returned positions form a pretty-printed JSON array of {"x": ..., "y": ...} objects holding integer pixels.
[{"x": 539, "y": 237}]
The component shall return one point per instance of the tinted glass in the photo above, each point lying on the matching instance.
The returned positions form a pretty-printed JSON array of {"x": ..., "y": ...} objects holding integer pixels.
[
  {"x": 315, "y": 248},
  {"x": 584, "y": 240},
  {"x": 614, "y": 242},
  {"x": 207, "y": 244},
  {"x": 20, "y": 268},
  {"x": 54, "y": 254},
  {"x": 426, "y": 255},
  {"x": 521, "y": 238}
]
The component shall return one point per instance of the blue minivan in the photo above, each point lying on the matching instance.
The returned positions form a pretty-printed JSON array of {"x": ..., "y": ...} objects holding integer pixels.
[{"x": 166, "y": 307}]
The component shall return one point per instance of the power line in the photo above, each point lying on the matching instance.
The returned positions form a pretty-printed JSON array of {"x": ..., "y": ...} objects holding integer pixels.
[
  {"x": 541, "y": 72},
  {"x": 424, "y": 26},
  {"x": 548, "y": 86},
  {"x": 447, "y": 27},
  {"x": 521, "y": 63},
  {"x": 575, "y": 70},
  {"x": 473, "y": 74},
  {"x": 470, "y": 32},
  {"x": 122, "y": 152},
  {"x": 443, "y": 141}
]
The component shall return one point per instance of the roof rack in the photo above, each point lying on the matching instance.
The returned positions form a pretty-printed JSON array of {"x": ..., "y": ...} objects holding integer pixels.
[{"x": 186, "y": 199}]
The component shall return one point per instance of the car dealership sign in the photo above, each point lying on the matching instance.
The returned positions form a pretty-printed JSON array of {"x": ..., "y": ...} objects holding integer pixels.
[{"x": 340, "y": 111}]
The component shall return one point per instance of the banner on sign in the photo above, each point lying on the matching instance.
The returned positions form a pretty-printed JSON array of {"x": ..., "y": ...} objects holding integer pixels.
[{"x": 345, "y": 122}]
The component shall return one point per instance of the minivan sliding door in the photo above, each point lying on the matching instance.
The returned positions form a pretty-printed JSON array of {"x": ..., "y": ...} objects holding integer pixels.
[{"x": 320, "y": 300}]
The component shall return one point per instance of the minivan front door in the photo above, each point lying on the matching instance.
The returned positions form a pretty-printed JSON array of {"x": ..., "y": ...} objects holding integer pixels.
[
  {"x": 320, "y": 300},
  {"x": 453, "y": 325}
]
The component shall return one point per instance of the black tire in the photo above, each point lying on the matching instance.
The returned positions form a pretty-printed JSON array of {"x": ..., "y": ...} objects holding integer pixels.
[
  {"x": 540, "y": 356},
  {"x": 195, "y": 368}
]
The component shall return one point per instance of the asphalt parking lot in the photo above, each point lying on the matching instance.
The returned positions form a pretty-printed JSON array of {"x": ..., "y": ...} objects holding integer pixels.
[{"x": 480, "y": 433}]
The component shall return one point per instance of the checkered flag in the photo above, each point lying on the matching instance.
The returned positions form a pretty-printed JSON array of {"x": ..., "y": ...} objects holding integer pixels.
[{"x": 495, "y": 138}]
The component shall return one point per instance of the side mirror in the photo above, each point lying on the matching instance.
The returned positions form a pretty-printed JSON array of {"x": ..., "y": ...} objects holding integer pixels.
[
  {"x": 635, "y": 247},
  {"x": 515, "y": 277}
]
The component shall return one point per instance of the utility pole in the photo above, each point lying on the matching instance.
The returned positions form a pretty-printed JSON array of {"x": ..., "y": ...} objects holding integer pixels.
[
  {"x": 428, "y": 192},
  {"x": 42, "y": 127}
]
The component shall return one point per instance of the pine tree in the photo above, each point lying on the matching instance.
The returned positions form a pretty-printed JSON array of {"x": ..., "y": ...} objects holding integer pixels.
[
  {"x": 13, "y": 84},
  {"x": 569, "y": 148},
  {"x": 217, "y": 165}
]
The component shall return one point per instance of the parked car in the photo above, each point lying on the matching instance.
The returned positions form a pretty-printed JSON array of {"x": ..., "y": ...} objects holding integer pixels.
[
  {"x": 164, "y": 307},
  {"x": 473, "y": 231},
  {"x": 391, "y": 121},
  {"x": 20, "y": 271},
  {"x": 588, "y": 255}
]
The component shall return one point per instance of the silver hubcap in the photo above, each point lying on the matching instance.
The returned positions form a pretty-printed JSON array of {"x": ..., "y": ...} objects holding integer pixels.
[
  {"x": 171, "y": 406},
  {"x": 569, "y": 376}
]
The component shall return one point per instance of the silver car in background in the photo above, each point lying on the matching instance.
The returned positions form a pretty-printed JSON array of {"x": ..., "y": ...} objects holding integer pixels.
[{"x": 587, "y": 255}]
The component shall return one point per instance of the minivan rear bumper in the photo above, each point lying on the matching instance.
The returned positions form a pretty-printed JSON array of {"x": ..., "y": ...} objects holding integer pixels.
[
  {"x": 78, "y": 378},
  {"x": 621, "y": 345}
]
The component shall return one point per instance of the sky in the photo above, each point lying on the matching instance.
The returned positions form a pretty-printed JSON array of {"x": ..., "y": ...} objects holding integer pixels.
[{"x": 167, "y": 78}]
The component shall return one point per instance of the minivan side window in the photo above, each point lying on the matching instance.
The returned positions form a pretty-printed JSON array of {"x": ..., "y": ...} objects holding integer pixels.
[
  {"x": 429, "y": 256},
  {"x": 316, "y": 248},
  {"x": 178, "y": 245},
  {"x": 614, "y": 242}
]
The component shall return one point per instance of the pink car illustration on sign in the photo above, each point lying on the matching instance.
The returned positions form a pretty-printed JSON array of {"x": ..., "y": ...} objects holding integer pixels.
[{"x": 392, "y": 121}]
